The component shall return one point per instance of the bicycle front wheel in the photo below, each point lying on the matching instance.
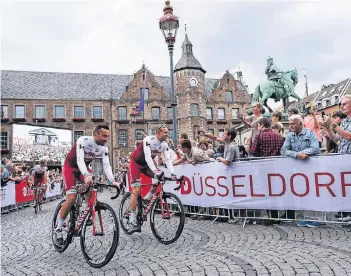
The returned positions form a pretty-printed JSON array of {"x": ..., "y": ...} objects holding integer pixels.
[
  {"x": 40, "y": 200},
  {"x": 167, "y": 218},
  {"x": 99, "y": 248}
]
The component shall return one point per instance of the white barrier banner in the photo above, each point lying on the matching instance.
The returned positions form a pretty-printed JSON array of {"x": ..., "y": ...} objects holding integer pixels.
[
  {"x": 321, "y": 183},
  {"x": 55, "y": 191},
  {"x": 8, "y": 194}
]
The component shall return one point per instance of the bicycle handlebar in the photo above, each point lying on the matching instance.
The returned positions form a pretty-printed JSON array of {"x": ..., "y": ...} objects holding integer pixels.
[
  {"x": 163, "y": 178},
  {"x": 98, "y": 184}
]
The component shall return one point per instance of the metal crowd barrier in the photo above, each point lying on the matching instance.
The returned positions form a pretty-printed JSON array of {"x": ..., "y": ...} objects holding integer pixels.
[{"x": 22, "y": 205}]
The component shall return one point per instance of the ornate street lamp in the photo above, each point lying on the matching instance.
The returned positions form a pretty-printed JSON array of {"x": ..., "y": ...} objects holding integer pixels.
[{"x": 169, "y": 24}]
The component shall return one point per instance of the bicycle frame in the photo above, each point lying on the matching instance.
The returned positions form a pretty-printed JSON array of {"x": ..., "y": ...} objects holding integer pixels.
[
  {"x": 38, "y": 191},
  {"x": 158, "y": 193},
  {"x": 90, "y": 208}
]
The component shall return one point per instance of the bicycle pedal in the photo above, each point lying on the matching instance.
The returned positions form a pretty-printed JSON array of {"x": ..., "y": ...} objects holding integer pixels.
[{"x": 99, "y": 234}]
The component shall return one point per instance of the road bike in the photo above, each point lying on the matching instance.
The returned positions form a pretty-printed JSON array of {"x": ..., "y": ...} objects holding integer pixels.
[
  {"x": 121, "y": 178},
  {"x": 38, "y": 197},
  {"x": 166, "y": 210},
  {"x": 79, "y": 225}
]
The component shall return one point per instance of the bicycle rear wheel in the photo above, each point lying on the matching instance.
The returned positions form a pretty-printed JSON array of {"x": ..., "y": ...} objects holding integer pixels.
[
  {"x": 167, "y": 218},
  {"x": 95, "y": 258},
  {"x": 124, "y": 213},
  {"x": 68, "y": 229}
]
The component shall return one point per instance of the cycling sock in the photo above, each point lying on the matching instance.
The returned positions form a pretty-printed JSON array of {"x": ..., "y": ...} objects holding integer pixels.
[
  {"x": 132, "y": 216},
  {"x": 148, "y": 196},
  {"x": 60, "y": 223}
]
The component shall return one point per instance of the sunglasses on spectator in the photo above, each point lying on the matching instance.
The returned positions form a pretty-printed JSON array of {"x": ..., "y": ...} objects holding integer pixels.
[{"x": 161, "y": 126}]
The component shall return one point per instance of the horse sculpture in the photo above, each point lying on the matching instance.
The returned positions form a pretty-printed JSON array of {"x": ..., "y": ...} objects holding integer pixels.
[{"x": 280, "y": 88}]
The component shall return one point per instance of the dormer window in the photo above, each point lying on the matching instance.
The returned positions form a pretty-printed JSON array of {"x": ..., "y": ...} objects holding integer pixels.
[
  {"x": 325, "y": 102},
  {"x": 334, "y": 99}
]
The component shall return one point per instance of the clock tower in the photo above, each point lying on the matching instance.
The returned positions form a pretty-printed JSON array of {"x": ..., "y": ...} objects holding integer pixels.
[{"x": 190, "y": 92}]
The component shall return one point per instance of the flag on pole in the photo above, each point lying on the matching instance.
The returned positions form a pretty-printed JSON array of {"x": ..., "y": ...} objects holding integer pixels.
[{"x": 141, "y": 102}]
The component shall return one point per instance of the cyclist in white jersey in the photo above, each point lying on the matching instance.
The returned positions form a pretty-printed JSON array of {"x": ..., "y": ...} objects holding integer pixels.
[
  {"x": 141, "y": 159},
  {"x": 83, "y": 152}
]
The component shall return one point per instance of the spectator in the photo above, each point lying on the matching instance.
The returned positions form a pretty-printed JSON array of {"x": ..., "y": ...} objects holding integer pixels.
[
  {"x": 203, "y": 145},
  {"x": 252, "y": 121},
  {"x": 219, "y": 152},
  {"x": 231, "y": 150},
  {"x": 210, "y": 152},
  {"x": 276, "y": 128},
  {"x": 343, "y": 132},
  {"x": 293, "y": 111},
  {"x": 276, "y": 119},
  {"x": 242, "y": 151},
  {"x": 191, "y": 155},
  {"x": 338, "y": 117},
  {"x": 314, "y": 121},
  {"x": 267, "y": 142},
  {"x": 300, "y": 143}
]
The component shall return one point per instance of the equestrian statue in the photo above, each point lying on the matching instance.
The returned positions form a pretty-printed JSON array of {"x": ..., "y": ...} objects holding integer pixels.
[{"x": 279, "y": 86}]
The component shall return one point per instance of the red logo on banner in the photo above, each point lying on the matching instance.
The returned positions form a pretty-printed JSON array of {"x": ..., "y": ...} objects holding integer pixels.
[{"x": 23, "y": 193}]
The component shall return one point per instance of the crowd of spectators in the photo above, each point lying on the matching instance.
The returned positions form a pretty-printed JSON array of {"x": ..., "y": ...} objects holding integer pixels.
[
  {"x": 30, "y": 153},
  {"x": 17, "y": 172}
]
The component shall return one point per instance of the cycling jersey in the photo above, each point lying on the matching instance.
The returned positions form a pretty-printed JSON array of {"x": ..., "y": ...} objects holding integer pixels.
[
  {"x": 148, "y": 149},
  {"x": 39, "y": 171},
  {"x": 83, "y": 152}
]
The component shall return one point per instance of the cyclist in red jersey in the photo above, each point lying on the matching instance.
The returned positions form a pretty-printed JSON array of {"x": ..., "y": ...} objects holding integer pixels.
[
  {"x": 76, "y": 164},
  {"x": 39, "y": 175},
  {"x": 141, "y": 159}
]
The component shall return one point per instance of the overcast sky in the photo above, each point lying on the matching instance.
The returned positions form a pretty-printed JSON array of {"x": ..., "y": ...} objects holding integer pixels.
[{"x": 117, "y": 36}]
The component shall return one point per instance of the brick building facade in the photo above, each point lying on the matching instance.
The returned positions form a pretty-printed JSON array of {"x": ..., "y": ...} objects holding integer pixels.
[{"x": 81, "y": 101}]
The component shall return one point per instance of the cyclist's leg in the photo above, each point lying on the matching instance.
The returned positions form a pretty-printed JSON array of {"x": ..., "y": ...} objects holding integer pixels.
[
  {"x": 71, "y": 194},
  {"x": 153, "y": 190},
  {"x": 88, "y": 194},
  {"x": 34, "y": 185},
  {"x": 134, "y": 175},
  {"x": 43, "y": 187}
]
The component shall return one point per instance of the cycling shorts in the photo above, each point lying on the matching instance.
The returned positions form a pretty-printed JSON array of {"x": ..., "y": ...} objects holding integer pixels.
[
  {"x": 40, "y": 179},
  {"x": 134, "y": 173},
  {"x": 70, "y": 175}
]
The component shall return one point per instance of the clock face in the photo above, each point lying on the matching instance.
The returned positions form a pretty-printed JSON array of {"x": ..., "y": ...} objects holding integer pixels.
[{"x": 193, "y": 82}]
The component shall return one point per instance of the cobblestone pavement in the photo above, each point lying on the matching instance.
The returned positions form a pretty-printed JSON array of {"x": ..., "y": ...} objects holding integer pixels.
[{"x": 203, "y": 249}]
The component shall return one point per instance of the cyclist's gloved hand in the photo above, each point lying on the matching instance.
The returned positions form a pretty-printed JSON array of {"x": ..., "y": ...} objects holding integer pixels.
[
  {"x": 117, "y": 184},
  {"x": 159, "y": 175},
  {"x": 88, "y": 179}
]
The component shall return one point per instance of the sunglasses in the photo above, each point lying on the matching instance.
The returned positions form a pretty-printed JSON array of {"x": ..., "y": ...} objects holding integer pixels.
[
  {"x": 161, "y": 126},
  {"x": 343, "y": 104}
]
